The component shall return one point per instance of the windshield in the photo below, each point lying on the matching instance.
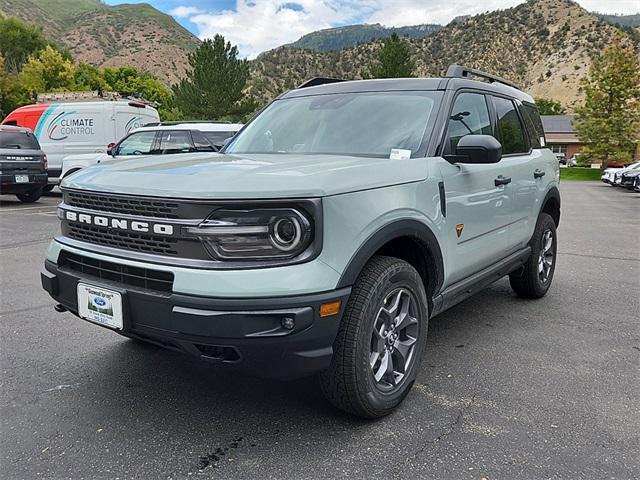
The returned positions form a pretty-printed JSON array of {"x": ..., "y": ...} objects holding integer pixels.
[
  {"x": 361, "y": 124},
  {"x": 18, "y": 140}
]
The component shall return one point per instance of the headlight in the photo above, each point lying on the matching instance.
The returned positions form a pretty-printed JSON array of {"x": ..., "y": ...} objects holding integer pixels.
[{"x": 269, "y": 233}]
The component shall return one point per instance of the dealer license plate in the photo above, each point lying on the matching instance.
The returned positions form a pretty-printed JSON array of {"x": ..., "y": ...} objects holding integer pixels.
[{"x": 100, "y": 305}]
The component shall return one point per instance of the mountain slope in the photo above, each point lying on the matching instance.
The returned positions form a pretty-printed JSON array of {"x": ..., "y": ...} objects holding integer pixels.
[
  {"x": 338, "y": 38},
  {"x": 543, "y": 45},
  {"x": 128, "y": 34}
]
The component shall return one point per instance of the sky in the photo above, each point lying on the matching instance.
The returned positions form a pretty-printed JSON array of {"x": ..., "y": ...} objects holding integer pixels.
[{"x": 260, "y": 25}]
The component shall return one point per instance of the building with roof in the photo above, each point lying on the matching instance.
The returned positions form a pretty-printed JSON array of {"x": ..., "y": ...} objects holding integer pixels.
[{"x": 561, "y": 136}]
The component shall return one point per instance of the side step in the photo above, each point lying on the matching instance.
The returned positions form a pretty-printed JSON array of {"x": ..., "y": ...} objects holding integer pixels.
[{"x": 469, "y": 286}]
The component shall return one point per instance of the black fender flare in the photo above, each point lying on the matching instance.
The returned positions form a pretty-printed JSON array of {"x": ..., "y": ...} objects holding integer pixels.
[
  {"x": 555, "y": 194},
  {"x": 399, "y": 228}
]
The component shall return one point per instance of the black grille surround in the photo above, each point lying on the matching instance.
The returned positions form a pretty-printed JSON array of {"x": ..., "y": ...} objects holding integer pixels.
[
  {"x": 151, "y": 207},
  {"x": 104, "y": 223},
  {"x": 144, "y": 278}
]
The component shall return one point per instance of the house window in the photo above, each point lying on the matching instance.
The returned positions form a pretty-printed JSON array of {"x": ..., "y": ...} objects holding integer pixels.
[{"x": 558, "y": 148}]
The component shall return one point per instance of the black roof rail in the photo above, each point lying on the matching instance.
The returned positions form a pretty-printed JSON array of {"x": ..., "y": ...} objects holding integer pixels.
[
  {"x": 312, "y": 82},
  {"x": 180, "y": 122},
  {"x": 458, "y": 71}
]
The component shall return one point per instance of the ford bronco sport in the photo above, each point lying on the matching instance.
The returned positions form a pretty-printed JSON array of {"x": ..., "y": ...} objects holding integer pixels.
[{"x": 323, "y": 238}]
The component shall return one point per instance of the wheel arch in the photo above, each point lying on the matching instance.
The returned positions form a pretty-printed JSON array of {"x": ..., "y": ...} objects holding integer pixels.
[
  {"x": 551, "y": 204},
  {"x": 409, "y": 240}
]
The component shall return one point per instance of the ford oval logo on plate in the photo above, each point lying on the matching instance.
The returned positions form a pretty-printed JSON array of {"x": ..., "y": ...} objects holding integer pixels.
[{"x": 99, "y": 301}]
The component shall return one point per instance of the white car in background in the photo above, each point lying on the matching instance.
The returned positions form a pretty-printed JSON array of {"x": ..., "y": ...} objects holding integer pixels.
[
  {"x": 609, "y": 174},
  {"x": 159, "y": 139},
  {"x": 617, "y": 176}
]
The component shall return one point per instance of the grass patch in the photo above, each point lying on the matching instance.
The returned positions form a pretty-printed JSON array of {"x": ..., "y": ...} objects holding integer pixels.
[{"x": 580, "y": 174}]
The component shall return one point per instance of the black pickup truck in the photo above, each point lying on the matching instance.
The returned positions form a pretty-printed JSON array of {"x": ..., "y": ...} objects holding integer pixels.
[{"x": 23, "y": 164}]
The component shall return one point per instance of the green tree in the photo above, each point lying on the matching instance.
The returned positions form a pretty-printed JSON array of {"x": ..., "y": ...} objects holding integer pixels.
[
  {"x": 546, "y": 106},
  {"x": 88, "y": 77},
  {"x": 129, "y": 81},
  {"x": 394, "y": 59},
  {"x": 214, "y": 85},
  {"x": 609, "y": 121},
  {"x": 47, "y": 72},
  {"x": 18, "y": 41},
  {"x": 12, "y": 95}
]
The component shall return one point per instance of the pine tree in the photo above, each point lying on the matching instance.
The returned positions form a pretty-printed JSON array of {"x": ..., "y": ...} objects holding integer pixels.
[
  {"x": 609, "y": 122},
  {"x": 395, "y": 59},
  {"x": 213, "y": 87}
]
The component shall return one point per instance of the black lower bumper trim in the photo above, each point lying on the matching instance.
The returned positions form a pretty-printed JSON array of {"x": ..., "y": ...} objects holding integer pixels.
[{"x": 282, "y": 337}]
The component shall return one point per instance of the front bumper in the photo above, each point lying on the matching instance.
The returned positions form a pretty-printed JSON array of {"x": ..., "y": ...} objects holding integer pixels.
[
  {"x": 8, "y": 183},
  {"x": 240, "y": 334}
]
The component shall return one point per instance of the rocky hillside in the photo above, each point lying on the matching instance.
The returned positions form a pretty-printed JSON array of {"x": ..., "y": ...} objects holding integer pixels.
[
  {"x": 543, "y": 45},
  {"x": 348, "y": 36},
  {"x": 130, "y": 34}
]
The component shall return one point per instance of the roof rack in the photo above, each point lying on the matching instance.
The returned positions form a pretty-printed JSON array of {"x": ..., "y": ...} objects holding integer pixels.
[
  {"x": 89, "y": 96},
  {"x": 313, "y": 82},
  {"x": 458, "y": 71}
]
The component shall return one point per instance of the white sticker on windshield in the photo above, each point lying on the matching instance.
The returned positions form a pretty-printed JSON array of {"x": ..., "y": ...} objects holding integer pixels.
[
  {"x": 542, "y": 143},
  {"x": 399, "y": 154}
]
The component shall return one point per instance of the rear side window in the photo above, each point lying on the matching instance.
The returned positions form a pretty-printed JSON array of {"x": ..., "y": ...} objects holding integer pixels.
[
  {"x": 510, "y": 131},
  {"x": 137, "y": 144},
  {"x": 533, "y": 123},
  {"x": 19, "y": 141},
  {"x": 176, "y": 141},
  {"x": 218, "y": 138},
  {"x": 200, "y": 142},
  {"x": 469, "y": 116}
]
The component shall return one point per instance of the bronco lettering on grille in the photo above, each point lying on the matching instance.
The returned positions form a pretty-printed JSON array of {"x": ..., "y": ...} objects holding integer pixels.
[{"x": 119, "y": 223}]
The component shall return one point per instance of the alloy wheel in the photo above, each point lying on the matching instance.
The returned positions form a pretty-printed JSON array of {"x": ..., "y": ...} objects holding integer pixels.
[
  {"x": 393, "y": 340},
  {"x": 545, "y": 260}
]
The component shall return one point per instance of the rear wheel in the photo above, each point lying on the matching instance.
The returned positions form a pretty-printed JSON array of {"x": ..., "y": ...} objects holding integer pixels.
[
  {"x": 534, "y": 278},
  {"x": 30, "y": 196},
  {"x": 380, "y": 342}
]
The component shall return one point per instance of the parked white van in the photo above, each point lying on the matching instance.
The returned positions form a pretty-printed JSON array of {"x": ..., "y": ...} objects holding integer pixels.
[{"x": 80, "y": 127}]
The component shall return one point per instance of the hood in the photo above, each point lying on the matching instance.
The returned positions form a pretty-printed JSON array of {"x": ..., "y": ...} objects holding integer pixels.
[{"x": 219, "y": 176}]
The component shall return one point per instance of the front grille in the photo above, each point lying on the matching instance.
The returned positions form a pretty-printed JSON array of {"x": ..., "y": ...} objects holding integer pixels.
[
  {"x": 149, "y": 207},
  {"x": 126, "y": 275},
  {"x": 139, "y": 242}
]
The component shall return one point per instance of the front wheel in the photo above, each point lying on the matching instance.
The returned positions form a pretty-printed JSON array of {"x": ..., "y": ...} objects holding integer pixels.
[
  {"x": 380, "y": 342},
  {"x": 30, "y": 196},
  {"x": 534, "y": 278}
]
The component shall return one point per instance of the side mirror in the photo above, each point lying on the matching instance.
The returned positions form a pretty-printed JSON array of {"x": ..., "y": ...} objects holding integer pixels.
[
  {"x": 110, "y": 149},
  {"x": 477, "y": 149}
]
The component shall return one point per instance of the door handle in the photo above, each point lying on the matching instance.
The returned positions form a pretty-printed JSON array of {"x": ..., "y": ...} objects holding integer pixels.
[
  {"x": 537, "y": 173},
  {"x": 502, "y": 180}
]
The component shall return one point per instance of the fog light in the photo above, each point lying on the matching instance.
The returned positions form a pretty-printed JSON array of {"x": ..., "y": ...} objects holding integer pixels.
[
  {"x": 331, "y": 308},
  {"x": 288, "y": 323}
]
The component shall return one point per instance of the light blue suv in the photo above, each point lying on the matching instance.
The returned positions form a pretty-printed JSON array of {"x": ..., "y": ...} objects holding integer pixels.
[{"x": 323, "y": 238}]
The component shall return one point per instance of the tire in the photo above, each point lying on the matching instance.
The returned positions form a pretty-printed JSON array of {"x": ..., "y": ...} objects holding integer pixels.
[
  {"x": 356, "y": 381},
  {"x": 30, "y": 196},
  {"x": 47, "y": 188},
  {"x": 534, "y": 278}
]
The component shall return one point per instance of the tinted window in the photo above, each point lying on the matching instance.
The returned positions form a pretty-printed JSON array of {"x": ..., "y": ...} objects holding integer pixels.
[
  {"x": 18, "y": 140},
  {"x": 366, "y": 124},
  {"x": 200, "y": 142},
  {"x": 218, "y": 138},
  {"x": 178, "y": 141},
  {"x": 137, "y": 144},
  {"x": 534, "y": 125},
  {"x": 469, "y": 116},
  {"x": 510, "y": 131}
]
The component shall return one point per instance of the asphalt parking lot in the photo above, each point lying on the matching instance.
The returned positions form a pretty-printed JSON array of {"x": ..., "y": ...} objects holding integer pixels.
[{"x": 508, "y": 389}]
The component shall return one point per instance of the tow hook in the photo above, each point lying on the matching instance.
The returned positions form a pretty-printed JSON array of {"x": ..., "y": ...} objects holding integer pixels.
[{"x": 60, "y": 308}]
